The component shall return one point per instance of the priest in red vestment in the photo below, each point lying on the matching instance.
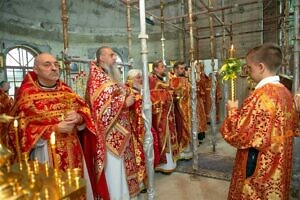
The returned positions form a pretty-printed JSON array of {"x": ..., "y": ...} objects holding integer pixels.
[
  {"x": 47, "y": 106},
  {"x": 109, "y": 102},
  {"x": 182, "y": 109},
  {"x": 163, "y": 119},
  {"x": 263, "y": 131},
  {"x": 201, "y": 85},
  {"x": 134, "y": 84}
]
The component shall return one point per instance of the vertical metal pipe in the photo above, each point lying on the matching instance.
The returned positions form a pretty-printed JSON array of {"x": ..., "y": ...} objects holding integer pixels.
[
  {"x": 147, "y": 105},
  {"x": 64, "y": 18},
  {"x": 296, "y": 172},
  {"x": 193, "y": 91},
  {"x": 213, "y": 81},
  {"x": 226, "y": 86},
  {"x": 285, "y": 38},
  {"x": 129, "y": 29},
  {"x": 190, "y": 23},
  {"x": 296, "y": 48},
  {"x": 183, "y": 30},
  {"x": 262, "y": 22},
  {"x": 197, "y": 46},
  {"x": 162, "y": 27}
]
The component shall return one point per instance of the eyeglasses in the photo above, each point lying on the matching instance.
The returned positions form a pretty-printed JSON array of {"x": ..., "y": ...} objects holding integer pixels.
[{"x": 49, "y": 64}]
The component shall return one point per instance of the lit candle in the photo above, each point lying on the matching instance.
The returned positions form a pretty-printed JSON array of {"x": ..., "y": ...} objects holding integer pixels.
[
  {"x": 16, "y": 123},
  {"x": 17, "y": 140},
  {"x": 53, "y": 148},
  {"x": 52, "y": 138},
  {"x": 231, "y": 51}
]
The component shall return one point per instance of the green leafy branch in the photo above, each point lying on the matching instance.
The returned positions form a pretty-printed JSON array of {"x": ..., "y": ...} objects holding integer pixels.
[{"x": 231, "y": 68}]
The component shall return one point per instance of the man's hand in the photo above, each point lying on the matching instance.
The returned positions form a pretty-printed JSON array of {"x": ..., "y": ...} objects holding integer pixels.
[
  {"x": 232, "y": 104},
  {"x": 130, "y": 100},
  {"x": 72, "y": 117},
  {"x": 65, "y": 127}
]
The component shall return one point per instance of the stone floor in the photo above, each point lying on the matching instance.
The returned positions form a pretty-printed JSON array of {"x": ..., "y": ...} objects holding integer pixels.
[{"x": 182, "y": 186}]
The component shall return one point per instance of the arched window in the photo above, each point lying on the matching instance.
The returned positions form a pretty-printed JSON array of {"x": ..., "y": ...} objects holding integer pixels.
[{"x": 18, "y": 61}]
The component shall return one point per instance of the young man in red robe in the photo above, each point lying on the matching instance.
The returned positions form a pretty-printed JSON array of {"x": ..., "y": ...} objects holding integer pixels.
[
  {"x": 46, "y": 105},
  {"x": 263, "y": 131}
]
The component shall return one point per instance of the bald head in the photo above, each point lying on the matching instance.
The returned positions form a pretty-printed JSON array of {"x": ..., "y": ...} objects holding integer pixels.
[
  {"x": 47, "y": 69},
  {"x": 41, "y": 57}
]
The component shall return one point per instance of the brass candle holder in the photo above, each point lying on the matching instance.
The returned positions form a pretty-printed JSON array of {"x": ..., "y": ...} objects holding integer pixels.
[
  {"x": 232, "y": 80},
  {"x": 29, "y": 183},
  {"x": 46, "y": 167},
  {"x": 229, "y": 71},
  {"x": 232, "y": 89}
]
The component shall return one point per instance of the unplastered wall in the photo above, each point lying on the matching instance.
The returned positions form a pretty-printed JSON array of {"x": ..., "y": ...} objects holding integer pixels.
[{"x": 82, "y": 50}]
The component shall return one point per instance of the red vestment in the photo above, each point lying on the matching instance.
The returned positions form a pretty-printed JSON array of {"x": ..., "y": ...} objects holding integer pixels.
[
  {"x": 138, "y": 130},
  {"x": 182, "y": 109},
  {"x": 163, "y": 119},
  {"x": 41, "y": 110},
  {"x": 205, "y": 84},
  {"x": 138, "y": 134},
  {"x": 107, "y": 99},
  {"x": 266, "y": 122},
  {"x": 6, "y": 104},
  {"x": 201, "y": 97}
]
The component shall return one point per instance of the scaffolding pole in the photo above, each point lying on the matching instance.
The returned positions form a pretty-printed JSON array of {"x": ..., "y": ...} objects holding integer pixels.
[
  {"x": 213, "y": 10},
  {"x": 296, "y": 48},
  {"x": 162, "y": 29},
  {"x": 64, "y": 18},
  {"x": 129, "y": 31},
  {"x": 213, "y": 82},
  {"x": 147, "y": 105},
  {"x": 285, "y": 39},
  {"x": 193, "y": 91}
]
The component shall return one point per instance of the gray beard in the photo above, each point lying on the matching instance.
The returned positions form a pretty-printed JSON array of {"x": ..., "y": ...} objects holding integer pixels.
[{"x": 113, "y": 72}]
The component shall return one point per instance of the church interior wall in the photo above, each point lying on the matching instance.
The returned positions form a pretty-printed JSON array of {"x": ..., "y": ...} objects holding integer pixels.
[{"x": 94, "y": 23}]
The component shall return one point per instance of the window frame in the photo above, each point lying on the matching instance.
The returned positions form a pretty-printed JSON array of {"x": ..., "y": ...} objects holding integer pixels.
[{"x": 22, "y": 65}]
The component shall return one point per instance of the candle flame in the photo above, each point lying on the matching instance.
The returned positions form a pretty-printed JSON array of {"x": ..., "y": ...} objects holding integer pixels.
[
  {"x": 16, "y": 123},
  {"x": 232, "y": 48},
  {"x": 52, "y": 138}
]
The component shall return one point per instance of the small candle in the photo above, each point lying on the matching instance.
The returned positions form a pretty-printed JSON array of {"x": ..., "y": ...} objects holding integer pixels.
[
  {"x": 52, "y": 138},
  {"x": 17, "y": 140},
  {"x": 231, "y": 51},
  {"x": 15, "y": 123},
  {"x": 53, "y": 148}
]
